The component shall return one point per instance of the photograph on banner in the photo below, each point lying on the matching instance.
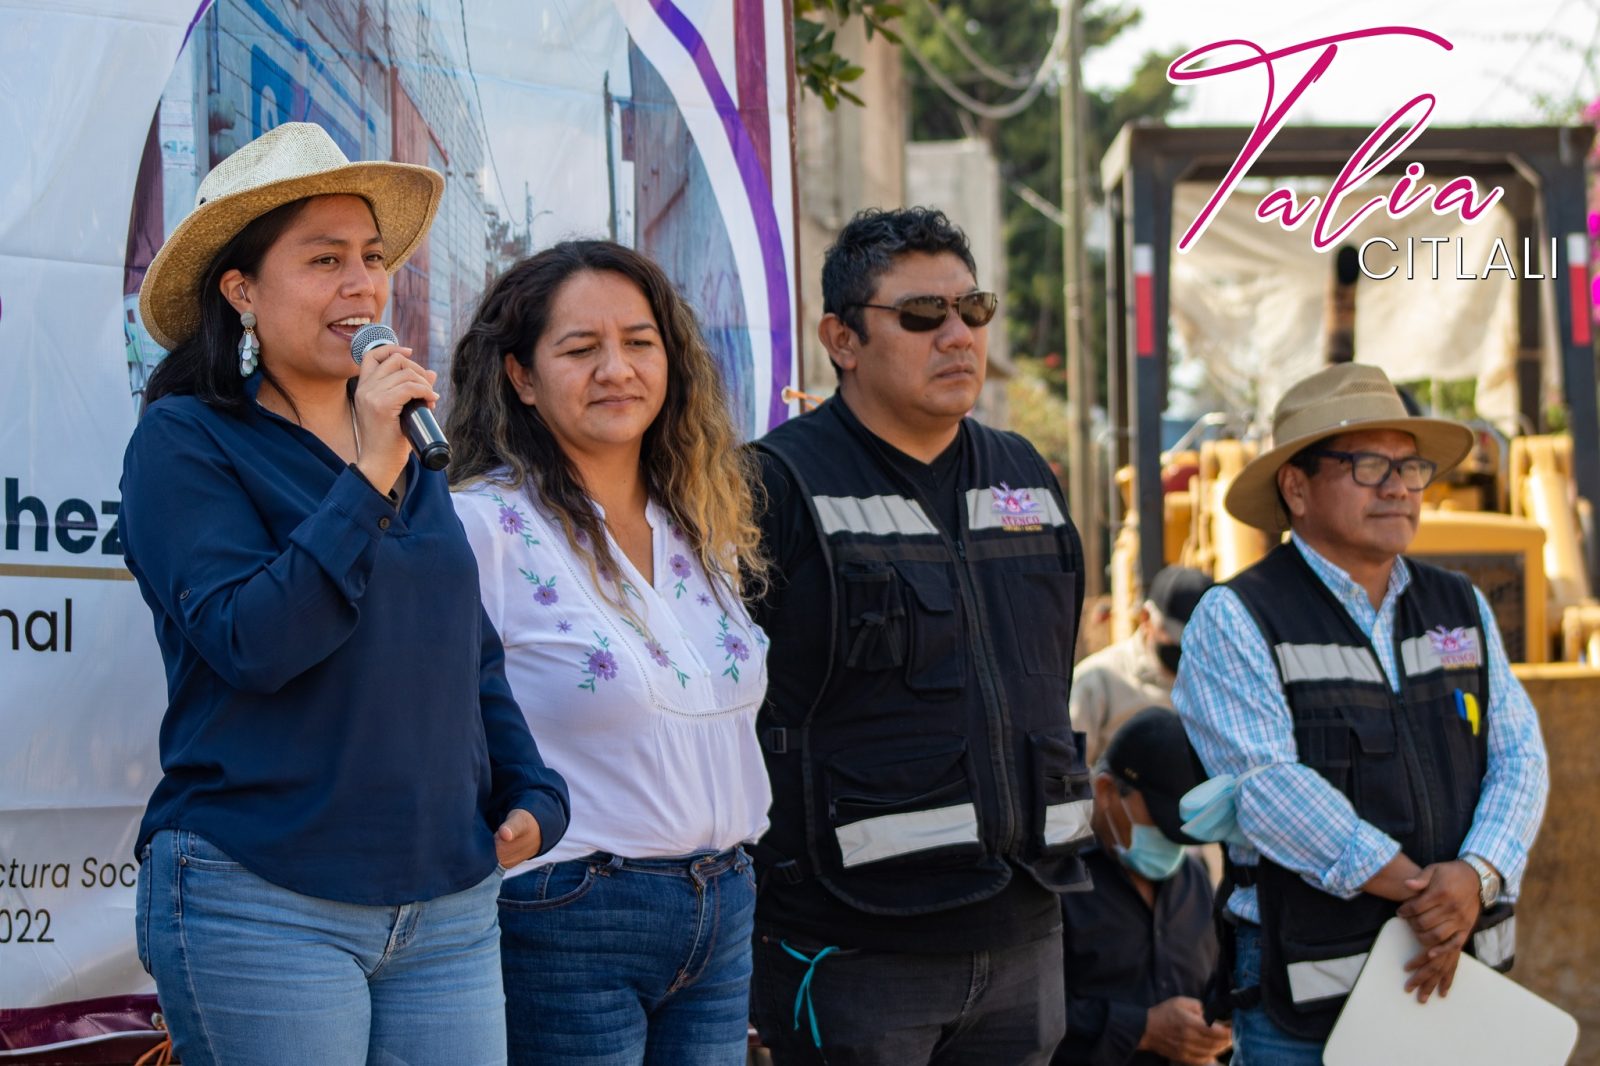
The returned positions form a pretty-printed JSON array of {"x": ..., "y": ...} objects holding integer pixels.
[{"x": 665, "y": 126}]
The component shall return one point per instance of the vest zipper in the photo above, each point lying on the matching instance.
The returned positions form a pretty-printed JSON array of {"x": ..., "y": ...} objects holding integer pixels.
[{"x": 999, "y": 739}]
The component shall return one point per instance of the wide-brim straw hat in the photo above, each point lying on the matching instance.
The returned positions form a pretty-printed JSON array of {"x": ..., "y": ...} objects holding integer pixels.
[
  {"x": 287, "y": 163},
  {"x": 1346, "y": 398}
]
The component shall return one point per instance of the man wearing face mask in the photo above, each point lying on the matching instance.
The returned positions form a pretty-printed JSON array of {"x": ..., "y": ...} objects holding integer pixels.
[
  {"x": 1139, "y": 948},
  {"x": 1113, "y": 684}
]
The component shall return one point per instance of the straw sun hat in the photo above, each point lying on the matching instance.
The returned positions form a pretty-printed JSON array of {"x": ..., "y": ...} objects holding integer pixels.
[
  {"x": 1347, "y": 398},
  {"x": 287, "y": 163}
]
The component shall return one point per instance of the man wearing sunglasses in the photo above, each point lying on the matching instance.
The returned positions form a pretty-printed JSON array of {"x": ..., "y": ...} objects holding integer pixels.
[
  {"x": 929, "y": 798},
  {"x": 1384, "y": 759}
]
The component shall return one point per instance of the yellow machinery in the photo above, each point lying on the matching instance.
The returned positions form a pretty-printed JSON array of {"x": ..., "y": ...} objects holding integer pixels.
[{"x": 1529, "y": 563}]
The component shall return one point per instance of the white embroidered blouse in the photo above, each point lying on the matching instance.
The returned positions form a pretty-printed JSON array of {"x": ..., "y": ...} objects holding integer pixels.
[{"x": 652, "y": 726}]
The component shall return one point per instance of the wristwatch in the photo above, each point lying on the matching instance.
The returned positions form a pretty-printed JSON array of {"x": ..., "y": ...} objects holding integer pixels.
[{"x": 1488, "y": 880}]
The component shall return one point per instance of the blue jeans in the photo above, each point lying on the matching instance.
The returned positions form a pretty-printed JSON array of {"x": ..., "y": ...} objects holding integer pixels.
[
  {"x": 1005, "y": 1007},
  {"x": 251, "y": 973},
  {"x": 1257, "y": 1040},
  {"x": 616, "y": 962}
]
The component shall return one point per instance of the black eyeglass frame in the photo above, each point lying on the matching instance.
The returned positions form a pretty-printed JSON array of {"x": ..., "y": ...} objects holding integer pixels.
[
  {"x": 1393, "y": 468},
  {"x": 985, "y": 301}
]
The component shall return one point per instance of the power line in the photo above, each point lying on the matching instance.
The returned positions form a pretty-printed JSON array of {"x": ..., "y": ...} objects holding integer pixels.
[
  {"x": 483, "y": 122},
  {"x": 970, "y": 54},
  {"x": 1016, "y": 106}
]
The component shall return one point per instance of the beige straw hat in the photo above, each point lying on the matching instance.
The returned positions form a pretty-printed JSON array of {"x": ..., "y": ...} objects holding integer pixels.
[
  {"x": 287, "y": 163},
  {"x": 1347, "y": 398}
]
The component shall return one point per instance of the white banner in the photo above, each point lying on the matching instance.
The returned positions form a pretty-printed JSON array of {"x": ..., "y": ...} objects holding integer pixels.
[{"x": 663, "y": 123}]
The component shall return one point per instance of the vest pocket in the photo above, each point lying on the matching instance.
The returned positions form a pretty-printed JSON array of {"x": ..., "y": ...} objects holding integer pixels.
[
  {"x": 1062, "y": 797},
  {"x": 876, "y": 633},
  {"x": 1325, "y": 747},
  {"x": 937, "y": 661},
  {"x": 1042, "y": 617},
  {"x": 1382, "y": 780},
  {"x": 904, "y": 806}
]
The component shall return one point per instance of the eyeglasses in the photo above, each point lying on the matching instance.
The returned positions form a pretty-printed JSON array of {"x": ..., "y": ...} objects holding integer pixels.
[
  {"x": 1371, "y": 470},
  {"x": 920, "y": 314}
]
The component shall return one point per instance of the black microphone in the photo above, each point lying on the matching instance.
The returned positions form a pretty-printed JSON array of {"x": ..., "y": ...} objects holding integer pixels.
[{"x": 416, "y": 421}]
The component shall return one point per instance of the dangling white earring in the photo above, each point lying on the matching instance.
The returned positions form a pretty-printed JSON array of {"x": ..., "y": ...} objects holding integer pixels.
[{"x": 249, "y": 346}]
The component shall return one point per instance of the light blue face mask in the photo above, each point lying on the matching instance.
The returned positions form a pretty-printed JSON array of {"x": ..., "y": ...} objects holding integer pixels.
[
  {"x": 1210, "y": 809},
  {"x": 1151, "y": 855}
]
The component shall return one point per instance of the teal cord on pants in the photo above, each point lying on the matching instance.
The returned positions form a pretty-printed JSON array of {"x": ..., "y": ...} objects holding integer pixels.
[{"x": 803, "y": 995}]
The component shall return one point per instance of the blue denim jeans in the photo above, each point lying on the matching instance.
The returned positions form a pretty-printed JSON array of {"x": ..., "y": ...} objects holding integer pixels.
[
  {"x": 1005, "y": 1007},
  {"x": 251, "y": 973},
  {"x": 1257, "y": 1040},
  {"x": 617, "y": 962}
]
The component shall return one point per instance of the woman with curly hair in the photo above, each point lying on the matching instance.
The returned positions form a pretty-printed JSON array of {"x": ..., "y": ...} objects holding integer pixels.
[{"x": 600, "y": 483}]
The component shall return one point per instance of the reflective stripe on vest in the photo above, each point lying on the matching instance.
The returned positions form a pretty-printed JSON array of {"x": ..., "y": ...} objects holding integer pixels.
[
  {"x": 888, "y": 835},
  {"x": 878, "y": 516},
  {"x": 1066, "y": 822},
  {"x": 1336, "y": 977},
  {"x": 1420, "y": 655},
  {"x": 1324, "y": 978},
  {"x": 1007, "y": 508},
  {"x": 1496, "y": 945},
  {"x": 1327, "y": 662}
]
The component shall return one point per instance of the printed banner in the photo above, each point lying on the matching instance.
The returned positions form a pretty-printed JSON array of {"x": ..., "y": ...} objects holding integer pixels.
[{"x": 662, "y": 123}]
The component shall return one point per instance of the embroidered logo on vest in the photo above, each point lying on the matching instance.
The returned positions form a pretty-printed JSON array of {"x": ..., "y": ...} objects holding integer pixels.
[
  {"x": 1455, "y": 647},
  {"x": 1016, "y": 508}
]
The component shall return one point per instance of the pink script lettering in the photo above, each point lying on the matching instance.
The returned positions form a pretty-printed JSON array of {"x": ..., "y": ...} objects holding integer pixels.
[{"x": 1460, "y": 194}]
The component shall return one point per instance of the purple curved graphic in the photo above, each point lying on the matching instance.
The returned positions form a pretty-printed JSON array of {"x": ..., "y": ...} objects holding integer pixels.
[{"x": 757, "y": 188}]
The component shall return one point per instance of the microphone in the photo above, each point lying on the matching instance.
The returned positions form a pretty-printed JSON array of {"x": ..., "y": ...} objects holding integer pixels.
[{"x": 416, "y": 421}]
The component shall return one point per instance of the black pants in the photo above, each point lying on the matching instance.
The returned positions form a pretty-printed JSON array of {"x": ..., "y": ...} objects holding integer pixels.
[{"x": 873, "y": 1008}]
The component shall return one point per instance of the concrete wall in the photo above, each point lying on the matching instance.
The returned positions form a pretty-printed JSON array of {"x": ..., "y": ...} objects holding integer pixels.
[
  {"x": 962, "y": 178},
  {"x": 1558, "y": 916},
  {"x": 847, "y": 159}
]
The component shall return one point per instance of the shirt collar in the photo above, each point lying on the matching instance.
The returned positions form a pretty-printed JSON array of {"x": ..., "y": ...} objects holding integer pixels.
[{"x": 1342, "y": 585}]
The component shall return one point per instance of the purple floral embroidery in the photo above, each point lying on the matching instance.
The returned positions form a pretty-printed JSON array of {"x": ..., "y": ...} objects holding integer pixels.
[
  {"x": 657, "y": 653},
  {"x": 681, "y": 571},
  {"x": 600, "y": 664},
  {"x": 734, "y": 649},
  {"x": 512, "y": 521},
  {"x": 563, "y": 626},
  {"x": 544, "y": 592},
  {"x": 703, "y": 600}
]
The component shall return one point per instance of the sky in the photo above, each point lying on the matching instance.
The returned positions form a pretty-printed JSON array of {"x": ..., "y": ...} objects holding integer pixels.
[{"x": 1505, "y": 54}]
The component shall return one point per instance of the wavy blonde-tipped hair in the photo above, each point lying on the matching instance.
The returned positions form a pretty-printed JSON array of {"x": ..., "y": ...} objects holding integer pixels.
[{"x": 693, "y": 465}]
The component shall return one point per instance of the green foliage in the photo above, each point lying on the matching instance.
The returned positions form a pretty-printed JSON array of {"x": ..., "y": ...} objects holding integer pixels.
[
  {"x": 1446, "y": 399},
  {"x": 1038, "y": 412},
  {"x": 1013, "y": 36},
  {"x": 819, "y": 68}
]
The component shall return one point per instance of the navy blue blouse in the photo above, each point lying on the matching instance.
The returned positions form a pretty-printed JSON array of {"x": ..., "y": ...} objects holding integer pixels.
[{"x": 338, "y": 717}]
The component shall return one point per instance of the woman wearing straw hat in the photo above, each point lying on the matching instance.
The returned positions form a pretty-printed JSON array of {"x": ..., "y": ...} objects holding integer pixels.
[
  {"x": 610, "y": 512},
  {"x": 343, "y": 761}
]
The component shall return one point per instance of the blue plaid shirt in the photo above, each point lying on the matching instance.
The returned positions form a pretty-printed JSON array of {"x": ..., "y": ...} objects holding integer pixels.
[{"x": 1232, "y": 704}]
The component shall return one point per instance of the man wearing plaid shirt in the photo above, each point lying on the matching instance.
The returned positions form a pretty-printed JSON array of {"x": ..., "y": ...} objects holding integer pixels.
[{"x": 1385, "y": 760}]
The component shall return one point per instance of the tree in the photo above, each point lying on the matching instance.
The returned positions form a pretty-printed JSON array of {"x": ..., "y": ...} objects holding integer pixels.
[
  {"x": 1013, "y": 36},
  {"x": 818, "y": 67}
]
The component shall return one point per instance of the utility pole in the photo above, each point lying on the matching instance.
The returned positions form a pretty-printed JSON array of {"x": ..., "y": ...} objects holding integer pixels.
[{"x": 1082, "y": 472}]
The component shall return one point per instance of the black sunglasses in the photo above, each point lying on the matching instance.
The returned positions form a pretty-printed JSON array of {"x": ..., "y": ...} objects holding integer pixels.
[
  {"x": 919, "y": 314},
  {"x": 1371, "y": 470}
]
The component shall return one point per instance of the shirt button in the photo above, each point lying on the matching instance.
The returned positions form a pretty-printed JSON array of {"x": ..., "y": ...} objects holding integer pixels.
[{"x": 383, "y": 523}]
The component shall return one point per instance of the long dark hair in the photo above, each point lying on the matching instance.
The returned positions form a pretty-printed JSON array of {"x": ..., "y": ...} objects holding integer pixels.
[
  {"x": 690, "y": 458},
  {"x": 206, "y": 366}
]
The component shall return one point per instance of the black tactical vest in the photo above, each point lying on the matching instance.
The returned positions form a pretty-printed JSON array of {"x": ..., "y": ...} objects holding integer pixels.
[
  {"x": 938, "y": 754},
  {"x": 1411, "y": 763}
]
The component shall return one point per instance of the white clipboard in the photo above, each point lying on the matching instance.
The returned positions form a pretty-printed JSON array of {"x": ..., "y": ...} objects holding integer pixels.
[{"x": 1486, "y": 1020}]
